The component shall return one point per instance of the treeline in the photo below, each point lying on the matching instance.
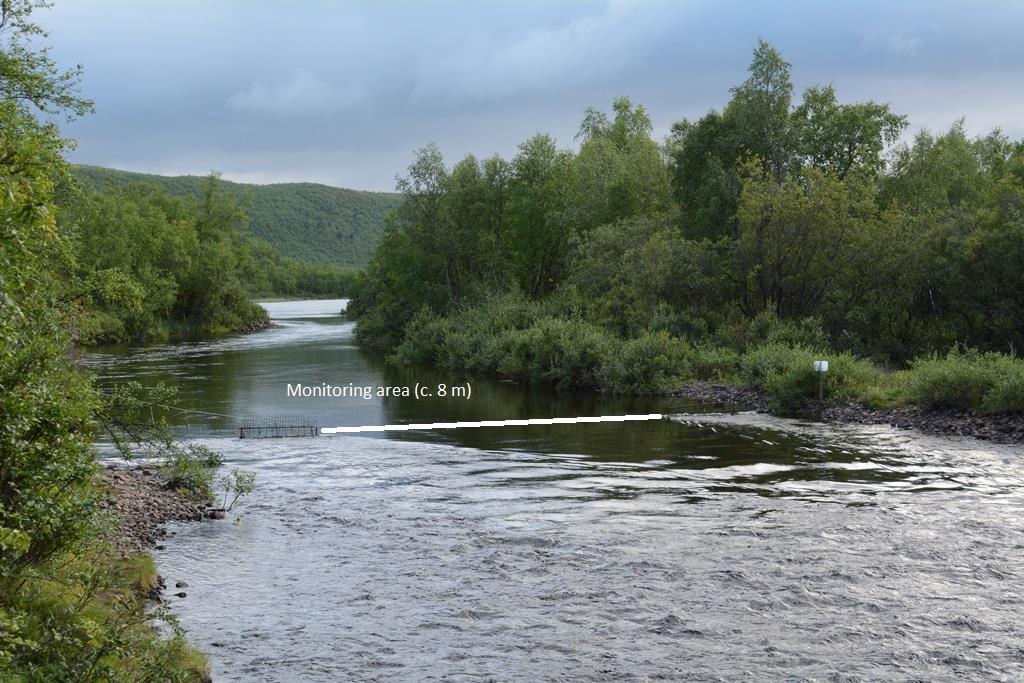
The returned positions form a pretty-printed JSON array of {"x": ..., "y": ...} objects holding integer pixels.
[
  {"x": 751, "y": 239},
  {"x": 152, "y": 265},
  {"x": 306, "y": 221}
]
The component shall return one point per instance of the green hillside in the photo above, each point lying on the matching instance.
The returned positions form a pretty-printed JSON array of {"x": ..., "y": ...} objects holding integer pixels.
[{"x": 307, "y": 221}]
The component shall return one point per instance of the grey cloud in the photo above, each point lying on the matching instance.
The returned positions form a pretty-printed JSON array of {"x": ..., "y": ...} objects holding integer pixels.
[
  {"x": 897, "y": 43},
  {"x": 603, "y": 45},
  {"x": 343, "y": 92},
  {"x": 302, "y": 95}
]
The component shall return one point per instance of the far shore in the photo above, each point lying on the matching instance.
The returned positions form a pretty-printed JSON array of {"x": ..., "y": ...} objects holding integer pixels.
[
  {"x": 1000, "y": 428},
  {"x": 285, "y": 299}
]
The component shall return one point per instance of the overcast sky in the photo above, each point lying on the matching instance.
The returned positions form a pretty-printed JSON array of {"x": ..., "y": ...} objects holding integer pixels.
[{"x": 343, "y": 92}]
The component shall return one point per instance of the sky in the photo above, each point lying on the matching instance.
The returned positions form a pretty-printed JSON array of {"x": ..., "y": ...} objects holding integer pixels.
[{"x": 343, "y": 93}]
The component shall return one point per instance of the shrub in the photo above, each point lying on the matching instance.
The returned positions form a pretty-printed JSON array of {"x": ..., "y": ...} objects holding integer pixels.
[
  {"x": 423, "y": 341},
  {"x": 714, "y": 363},
  {"x": 767, "y": 328},
  {"x": 651, "y": 363},
  {"x": 474, "y": 338},
  {"x": 190, "y": 471},
  {"x": 236, "y": 484},
  {"x": 1007, "y": 395},
  {"x": 556, "y": 352},
  {"x": 787, "y": 374},
  {"x": 989, "y": 382}
]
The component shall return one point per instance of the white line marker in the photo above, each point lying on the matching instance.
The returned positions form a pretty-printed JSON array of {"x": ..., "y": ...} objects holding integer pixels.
[{"x": 491, "y": 423}]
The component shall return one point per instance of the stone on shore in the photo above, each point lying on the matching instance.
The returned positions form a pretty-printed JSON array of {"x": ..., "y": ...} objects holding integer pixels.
[{"x": 142, "y": 505}]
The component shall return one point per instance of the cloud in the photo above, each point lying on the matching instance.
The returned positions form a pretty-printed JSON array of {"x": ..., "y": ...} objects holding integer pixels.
[
  {"x": 304, "y": 95},
  {"x": 482, "y": 76},
  {"x": 589, "y": 48},
  {"x": 897, "y": 44}
]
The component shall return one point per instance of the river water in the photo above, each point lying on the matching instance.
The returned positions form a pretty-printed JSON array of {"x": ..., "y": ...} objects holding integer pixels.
[{"x": 715, "y": 548}]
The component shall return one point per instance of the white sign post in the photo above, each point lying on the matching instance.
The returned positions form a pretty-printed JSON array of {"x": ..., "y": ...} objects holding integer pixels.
[{"x": 821, "y": 367}]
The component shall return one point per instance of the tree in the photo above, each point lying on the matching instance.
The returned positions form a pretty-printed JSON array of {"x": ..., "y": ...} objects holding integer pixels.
[
  {"x": 760, "y": 124},
  {"x": 755, "y": 124},
  {"x": 800, "y": 240},
  {"x": 839, "y": 138},
  {"x": 619, "y": 171},
  {"x": 539, "y": 231},
  {"x": 758, "y": 115},
  {"x": 28, "y": 76}
]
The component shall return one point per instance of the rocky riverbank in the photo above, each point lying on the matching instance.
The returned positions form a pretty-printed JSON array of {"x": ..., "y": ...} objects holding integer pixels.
[
  {"x": 716, "y": 397},
  {"x": 1008, "y": 428},
  {"x": 142, "y": 506}
]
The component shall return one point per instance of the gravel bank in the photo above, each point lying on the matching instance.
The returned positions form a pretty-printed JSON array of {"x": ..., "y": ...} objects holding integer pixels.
[
  {"x": 1007, "y": 428},
  {"x": 142, "y": 506}
]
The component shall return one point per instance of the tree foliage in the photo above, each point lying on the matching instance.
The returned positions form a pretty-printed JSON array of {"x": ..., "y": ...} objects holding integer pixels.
[
  {"x": 70, "y": 609},
  {"x": 151, "y": 264},
  {"x": 796, "y": 225}
]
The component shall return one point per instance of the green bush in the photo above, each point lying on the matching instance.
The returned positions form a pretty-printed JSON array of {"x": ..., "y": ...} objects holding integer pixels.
[
  {"x": 1007, "y": 395},
  {"x": 190, "y": 471},
  {"x": 787, "y": 374},
  {"x": 989, "y": 382},
  {"x": 714, "y": 363},
  {"x": 767, "y": 328},
  {"x": 424, "y": 340},
  {"x": 556, "y": 352},
  {"x": 651, "y": 363},
  {"x": 545, "y": 343}
]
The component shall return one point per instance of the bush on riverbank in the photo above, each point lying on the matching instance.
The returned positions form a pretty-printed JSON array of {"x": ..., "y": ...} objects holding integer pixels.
[
  {"x": 984, "y": 382},
  {"x": 787, "y": 374},
  {"x": 530, "y": 342},
  {"x": 190, "y": 471},
  {"x": 653, "y": 362},
  {"x": 547, "y": 344}
]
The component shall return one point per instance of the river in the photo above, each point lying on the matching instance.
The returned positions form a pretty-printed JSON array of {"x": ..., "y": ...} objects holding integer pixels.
[{"x": 719, "y": 548}]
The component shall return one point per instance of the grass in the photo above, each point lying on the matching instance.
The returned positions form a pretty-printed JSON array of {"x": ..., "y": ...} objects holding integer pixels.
[
  {"x": 86, "y": 616},
  {"x": 139, "y": 572}
]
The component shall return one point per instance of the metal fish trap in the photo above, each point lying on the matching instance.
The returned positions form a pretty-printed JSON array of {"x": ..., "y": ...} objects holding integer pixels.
[{"x": 276, "y": 428}]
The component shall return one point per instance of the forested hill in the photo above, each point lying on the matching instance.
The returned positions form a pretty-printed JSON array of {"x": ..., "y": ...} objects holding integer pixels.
[{"x": 307, "y": 221}]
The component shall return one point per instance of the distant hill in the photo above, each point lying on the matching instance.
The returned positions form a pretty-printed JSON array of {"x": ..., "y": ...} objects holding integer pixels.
[{"x": 306, "y": 221}]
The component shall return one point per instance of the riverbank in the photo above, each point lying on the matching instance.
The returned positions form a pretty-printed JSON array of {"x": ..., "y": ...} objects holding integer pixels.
[
  {"x": 1004, "y": 428},
  {"x": 142, "y": 505}
]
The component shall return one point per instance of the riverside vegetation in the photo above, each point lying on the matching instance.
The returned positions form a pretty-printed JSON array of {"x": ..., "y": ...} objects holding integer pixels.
[
  {"x": 752, "y": 242},
  {"x": 152, "y": 265},
  {"x": 72, "y": 605}
]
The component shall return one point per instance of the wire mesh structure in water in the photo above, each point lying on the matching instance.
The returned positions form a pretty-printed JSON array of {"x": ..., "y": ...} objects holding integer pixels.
[{"x": 276, "y": 427}]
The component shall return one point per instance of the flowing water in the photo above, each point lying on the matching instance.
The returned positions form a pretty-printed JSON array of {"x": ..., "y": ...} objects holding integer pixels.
[{"x": 733, "y": 548}]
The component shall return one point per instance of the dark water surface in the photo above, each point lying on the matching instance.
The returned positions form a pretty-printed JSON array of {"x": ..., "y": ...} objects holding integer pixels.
[{"x": 733, "y": 548}]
